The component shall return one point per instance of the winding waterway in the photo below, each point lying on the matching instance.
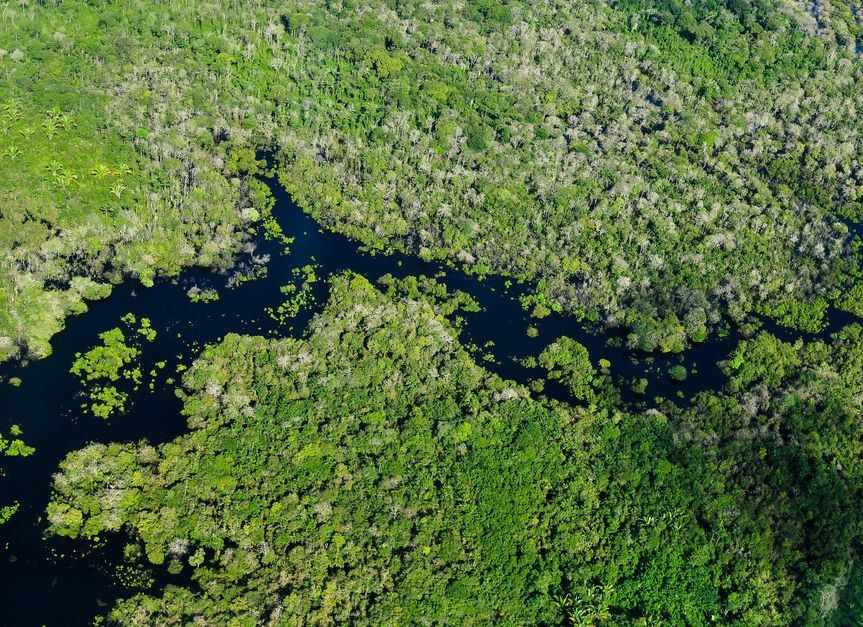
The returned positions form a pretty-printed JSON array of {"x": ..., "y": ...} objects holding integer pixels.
[{"x": 60, "y": 582}]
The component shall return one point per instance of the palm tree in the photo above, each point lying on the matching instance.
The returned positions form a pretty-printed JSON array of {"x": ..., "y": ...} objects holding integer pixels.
[
  {"x": 101, "y": 171},
  {"x": 121, "y": 169},
  {"x": 54, "y": 167},
  {"x": 117, "y": 189},
  {"x": 12, "y": 152},
  {"x": 589, "y": 608},
  {"x": 648, "y": 521},
  {"x": 50, "y": 125},
  {"x": 66, "y": 122},
  {"x": 67, "y": 178},
  {"x": 10, "y": 110},
  {"x": 562, "y": 602}
]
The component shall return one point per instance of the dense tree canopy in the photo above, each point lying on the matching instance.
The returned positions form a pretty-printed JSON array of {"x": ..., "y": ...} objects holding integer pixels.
[
  {"x": 373, "y": 473},
  {"x": 654, "y": 165},
  {"x": 651, "y": 163}
]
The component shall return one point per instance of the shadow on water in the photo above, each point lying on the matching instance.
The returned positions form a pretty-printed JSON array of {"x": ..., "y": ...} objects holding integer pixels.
[{"x": 42, "y": 588}]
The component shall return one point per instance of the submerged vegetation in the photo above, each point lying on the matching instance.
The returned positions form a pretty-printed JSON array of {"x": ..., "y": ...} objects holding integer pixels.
[
  {"x": 112, "y": 362},
  {"x": 298, "y": 295},
  {"x": 372, "y": 472},
  {"x": 13, "y": 446},
  {"x": 661, "y": 168}
]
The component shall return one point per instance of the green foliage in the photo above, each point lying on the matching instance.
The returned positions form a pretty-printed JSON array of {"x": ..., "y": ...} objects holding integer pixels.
[
  {"x": 198, "y": 295},
  {"x": 678, "y": 373},
  {"x": 107, "y": 360},
  {"x": 112, "y": 361},
  {"x": 806, "y": 316},
  {"x": 639, "y": 386},
  {"x": 7, "y": 511},
  {"x": 846, "y": 596},
  {"x": 763, "y": 359},
  {"x": 653, "y": 163},
  {"x": 372, "y": 473},
  {"x": 426, "y": 288},
  {"x": 569, "y": 361},
  {"x": 84, "y": 203},
  {"x": 788, "y": 422},
  {"x": 299, "y": 295},
  {"x": 667, "y": 335},
  {"x": 14, "y": 446}
]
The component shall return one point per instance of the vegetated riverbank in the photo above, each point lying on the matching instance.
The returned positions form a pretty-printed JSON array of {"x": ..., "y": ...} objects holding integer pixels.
[
  {"x": 373, "y": 472},
  {"x": 650, "y": 164},
  {"x": 44, "y": 588}
]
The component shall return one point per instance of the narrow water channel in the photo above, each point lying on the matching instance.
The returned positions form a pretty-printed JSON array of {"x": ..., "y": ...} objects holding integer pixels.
[{"x": 53, "y": 582}]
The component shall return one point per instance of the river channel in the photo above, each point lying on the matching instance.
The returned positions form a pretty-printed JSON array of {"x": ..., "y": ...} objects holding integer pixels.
[{"x": 48, "y": 581}]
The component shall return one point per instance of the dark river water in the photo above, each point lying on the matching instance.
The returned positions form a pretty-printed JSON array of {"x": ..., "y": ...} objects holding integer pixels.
[{"x": 48, "y": 581}]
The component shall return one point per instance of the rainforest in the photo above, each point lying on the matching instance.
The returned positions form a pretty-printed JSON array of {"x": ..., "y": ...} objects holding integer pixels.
[{"x": 493, "y": 312}]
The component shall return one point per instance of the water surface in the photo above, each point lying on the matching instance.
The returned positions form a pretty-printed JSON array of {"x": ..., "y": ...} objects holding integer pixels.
[{"x": 61, "y": 582}]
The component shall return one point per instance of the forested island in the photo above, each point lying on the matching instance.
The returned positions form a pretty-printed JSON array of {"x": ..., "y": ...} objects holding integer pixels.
[{"x": 485, "y": 312}]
